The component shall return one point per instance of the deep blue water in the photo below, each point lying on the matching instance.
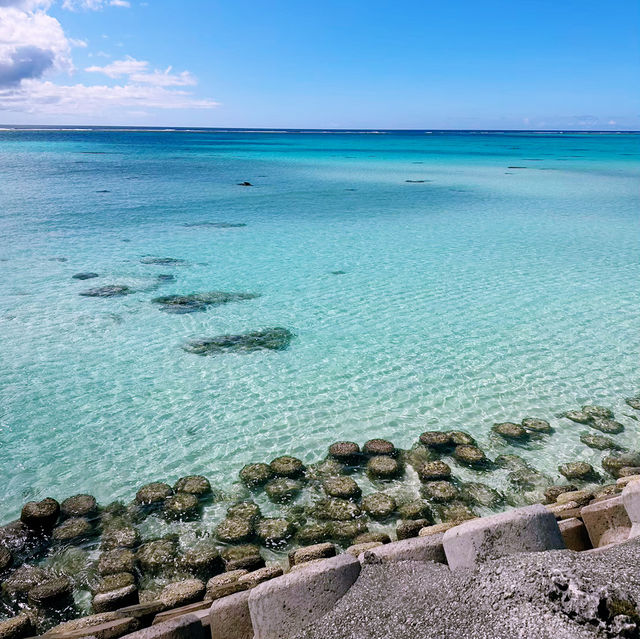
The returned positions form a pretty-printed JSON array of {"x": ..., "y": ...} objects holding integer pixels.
[{"x": 476, "y": 293}]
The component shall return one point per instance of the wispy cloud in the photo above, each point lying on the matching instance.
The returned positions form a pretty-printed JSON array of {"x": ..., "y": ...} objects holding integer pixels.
[{"x": 138, "y": 71}]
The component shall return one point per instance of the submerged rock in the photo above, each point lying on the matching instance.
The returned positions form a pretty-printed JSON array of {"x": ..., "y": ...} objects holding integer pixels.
[
  {"x": 79, "y": 506},
  {"x": 345, "y": 532},
  {"x": 156, "y": 556},
  {"x": 415, "y": 509},
  {"x": 614, "y": 464},
  {"x": 202, "y": 560},
  {"x": 379, "y": 447},
  {"x": 597, "y": 411},
  {"x": 578, "y": 416},
  {"x": 383, "y": 467},
  {"x": 476, "y": 493},
  {"x": 577, "y": 470},
  {"x": 327, "y": 468},
  {"x": 287, "y": 466},
  {"x": 345, "y": 452},
  {"x": 112, "y": 562},
  {"x": 72, "y": 531},
  {"x": 434, "y": 470},
  {"x": 22, "y": 580},
  {"x": 510, "y": 431},
  {"x": 111, "y": 290},
  {"x": 437, "y": 440},
  {"x": 248, "y": 510},
  {"x": 161, "y": 260},
  {"x": 283, "y": 489},
  {"x": 120, "y": 537},
  {"x": 470, "y": 455},
  {"x": 274, "y": 532},
  {"x": 606, "y": 425},
  {"x": 553, "y": 492},
  {"x": 234, "y": 530},
  {"x": 195, "y": 302},
  {"x": 216, "y": 225},
  {"x": 440, "y": 491},
  {"x": 253, "y": 475},
  {"x": 343, "y": 487},
  {"x": 314, "y": 533},
  {"x": 535, "y": 425},
  {"x": 335, "y": 509},
  {"x": 153, "y": 494},
  {"x": 599, "y": 442},
  {"x": 460, "y": 438},
  {"x": 181, "y": 507},
  {"x": 84, "y": 276},
  {"x": 418, "y": 455},
  {"x": 182, "y": 593},
  {"x": 52, "y": 593},
  {"x": 40, "y": 515},
  {"x": 273, "y": 339},
  {"x": 634, "y": 402},
  {"x": 379, "y": 505},
  {"x": 194, "y": 485}
]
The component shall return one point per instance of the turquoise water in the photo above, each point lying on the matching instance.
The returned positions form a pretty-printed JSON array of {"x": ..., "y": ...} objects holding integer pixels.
[{"x": 482, "y": 294}]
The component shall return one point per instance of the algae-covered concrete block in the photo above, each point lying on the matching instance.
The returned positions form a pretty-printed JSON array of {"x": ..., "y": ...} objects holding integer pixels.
[
  {"x": 631, "y": 501},
  {"x": 229, "y": 617},
  {"x": 607, "y": 522},
  {"x": 415, "y": 549},
  {"x": 184, "y": 627},
  {"x": 574, "y": 534},
  {"x": 282, "y": 607},
  {"x": 528, "y": 529}
]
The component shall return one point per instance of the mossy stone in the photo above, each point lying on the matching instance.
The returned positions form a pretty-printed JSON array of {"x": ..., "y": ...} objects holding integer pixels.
[
  {"x": 248, "y": 510},
  {"x": 153, "y": 494},
  {"x": 314, "y": 533},
  {"x": 606, "y": 425},
  {"x": 253, "y": 475},
  {"x": 470, "y": 455},
  {"x": 233, "y": 530},
  {"x": 510, "y": 431},
  {"x": 455, "y": 512},
  {"x": 342, "y": 487},
  {"x": 115, "y": 582},
  {"x": 327, "y": 468},
  {"x": 383, "y": 467},
  {"x": 157, "y": 556},
  {"x": 407, "y": 529},
  {"x": 577, "y": 470},
  {"x": 434, "y": 470},
  {"x": 52, "y": 593},
  {"x": 181, "y": 507},
  {"x": 597, "y": 411},
  {"x": 345, "y": 532},
  {"x": 599, "y": 442},
  {"x": 379, "y": 505},
  {"x": 202, "y": 560},
  {"x": 275, "y": 532},
  {"x": 481, "y": 495},
  {"x": 197, "y": 485},
  {"x": 436, "y": 439},
  {"x": 115, "y": 561},
  {"x": 182, "y": 593},
  {"x": 440, "y": 491},
  {"x": 613, "y": 464},
  {"x": 79, "y": 506},
  {"x": 578, "y": 416},
  {"x": 552, "y": 493},
  {"x": 415, "y": 509},
  {"x": 379, "y": 447},
  {"x": 283, "y": 490},
  {"x": 72, "y": 531},
  {"x": 535, "y": 425},
  {"x": 120, "y": 537},
  {"x": 287, "y": 466},
  {"x": 22, "y": 580},
  {"x": 372, "y": 537},
  {"x": 460, "y": 438},
  {"x": 40, "y": 515},
  {"x": 345, "y": 452},
  {"x": 335, "y": 509}
]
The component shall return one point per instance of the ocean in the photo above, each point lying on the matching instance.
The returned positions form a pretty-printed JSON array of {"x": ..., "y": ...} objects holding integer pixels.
[{"x": 431, "y": 280}]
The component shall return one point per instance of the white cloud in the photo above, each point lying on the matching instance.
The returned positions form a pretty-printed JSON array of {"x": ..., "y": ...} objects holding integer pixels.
[
  {"x": 92, "y": 5},
  {"x": 33, "y": 45},
  {"x": 46, "y": 97},
  {"x": 138, "y": 72}
]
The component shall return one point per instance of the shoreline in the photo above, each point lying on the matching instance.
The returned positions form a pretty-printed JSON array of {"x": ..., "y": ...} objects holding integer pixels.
[{"x": 87, "y": 548}]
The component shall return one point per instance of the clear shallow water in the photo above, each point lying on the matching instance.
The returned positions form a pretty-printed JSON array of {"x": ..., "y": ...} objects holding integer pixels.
[{"x": 483, "y": 294}]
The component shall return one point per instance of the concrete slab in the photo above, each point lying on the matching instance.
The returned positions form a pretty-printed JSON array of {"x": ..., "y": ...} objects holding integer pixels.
[
  {"x": 229, "y": 617},
  {"x": 607, "y": 521}
]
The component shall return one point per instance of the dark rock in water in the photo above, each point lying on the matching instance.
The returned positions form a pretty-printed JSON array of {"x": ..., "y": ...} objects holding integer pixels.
[
  {"x": 345, "y": 452},
  {"x": 415, "y": 509},
  {"x": 161, "y": 260},
  {"x": 314, "y": 533},
  {"x": 577, "y": 470},
  {"x": 410, "y": 528},
  {"x": 379, "y": 447},
  {"x": 194, "y": 485},
  {"x": 165, "y": 277},
  {"x": 287, "y": 466},
  {"x": 326, "y": 468},
  {"x": 153, "y": 494},
  {"x": 84, "y": 276},
  {"x": 182, "y": 593},
  {"x": 253, "y": 475},
  {"x": 6, "y": 559},
  {"x": 470, "y": 455},
  {"x": 41, "y": 515},
  {"x": 113, "y": 290},
  {"x": 79, "y": 506},
  {"x": 342, "y": 487},
  {"x": 510, "y": 431},
  {"x": 512, "y": 462},
  {"x": 275, "y": 533},
  {"x": 606, "y": 425},
  {"x": 120, "y": 537},
  {"x": 578, "y": 416},
  {"x": 181, "y": 507},
  {"x": 553, "y": 492},
  {"x": 456, "y": 512},
  {"x": 536, "y": 425},
  {"x": 372, "y": 537},
  {"x": 613, "y": 464},
  {"x": 599, "y": 442},
  {"x": 282, "y": 490},
  {"x": 597, "y": 411},
  {"x": 437, "y": 440},
  {"x": 115, "y": 561},
  {"x": 247, "y": 510},
  {"x": 335, "y": 509},
  {"x": 248, "y": 554},
  {"x": 383, "y": 467},
  {"x": 416, "y": 181},
  {"x": 195, "y": 302},
  {"x": 245, "y": 184},
  {"x": 234, "y": 530},
  {"x": 434, "y": 470},
  {"x": 216, "y": 225},
  {"x": 338, "y": 272},
  {"x": 379, "y": 505},
  {"x": 418, "y": 455},
  {"x": 476, "y": 493},
  {"x": 440, "y": 491},
  {"x": 202, "y": 560},
  {"x": 113, "y": 582},
  {"x": 72, "y": 531},
  {"x": 22, "y": 580},
  {"x": 58, "y": 259},
  {"x": 53, "y": 593},
  {"x": 115, "y": 599},
  {"x": 274, "y": 339},
  {"x": 460, "y": 438},
  {"x": 346, "y": 531},
  {"x": 156, "y": 556},
  {"x": 634, "y": 402}
]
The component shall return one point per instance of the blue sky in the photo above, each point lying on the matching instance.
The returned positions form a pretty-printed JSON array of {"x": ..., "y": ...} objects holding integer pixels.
[{"x": 335, "y": 64}]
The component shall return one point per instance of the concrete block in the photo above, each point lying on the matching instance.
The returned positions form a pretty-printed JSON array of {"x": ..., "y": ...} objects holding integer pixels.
[
  {"x": 256, "y": 577},
  {"x": 309, "y": 553},
  {"x": 436, "y": 529},
  {"x": 607, "y": 522},
  {"x": 631, "y": 501},
  {"x": 184, "y": 627},
  {"x": 623, "y": 481},
  {"x": 529, "y": 529},
  {"x": 357, "y": 549},
  {"x": 115, "y": 599},
  {"x": 143, "y": 612},
  {"x": 575, "y": 535},
  {"x": 282, "y": 607},
  {"x": 194, "y": 608},
  {"x": 427, "y": 548},
  {"x": 111, "y": 629},
  {"x": 229, "y": 617}
]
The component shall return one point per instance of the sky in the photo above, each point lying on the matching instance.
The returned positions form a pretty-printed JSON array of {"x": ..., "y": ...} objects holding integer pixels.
[{"x": 376, "y": 64}]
